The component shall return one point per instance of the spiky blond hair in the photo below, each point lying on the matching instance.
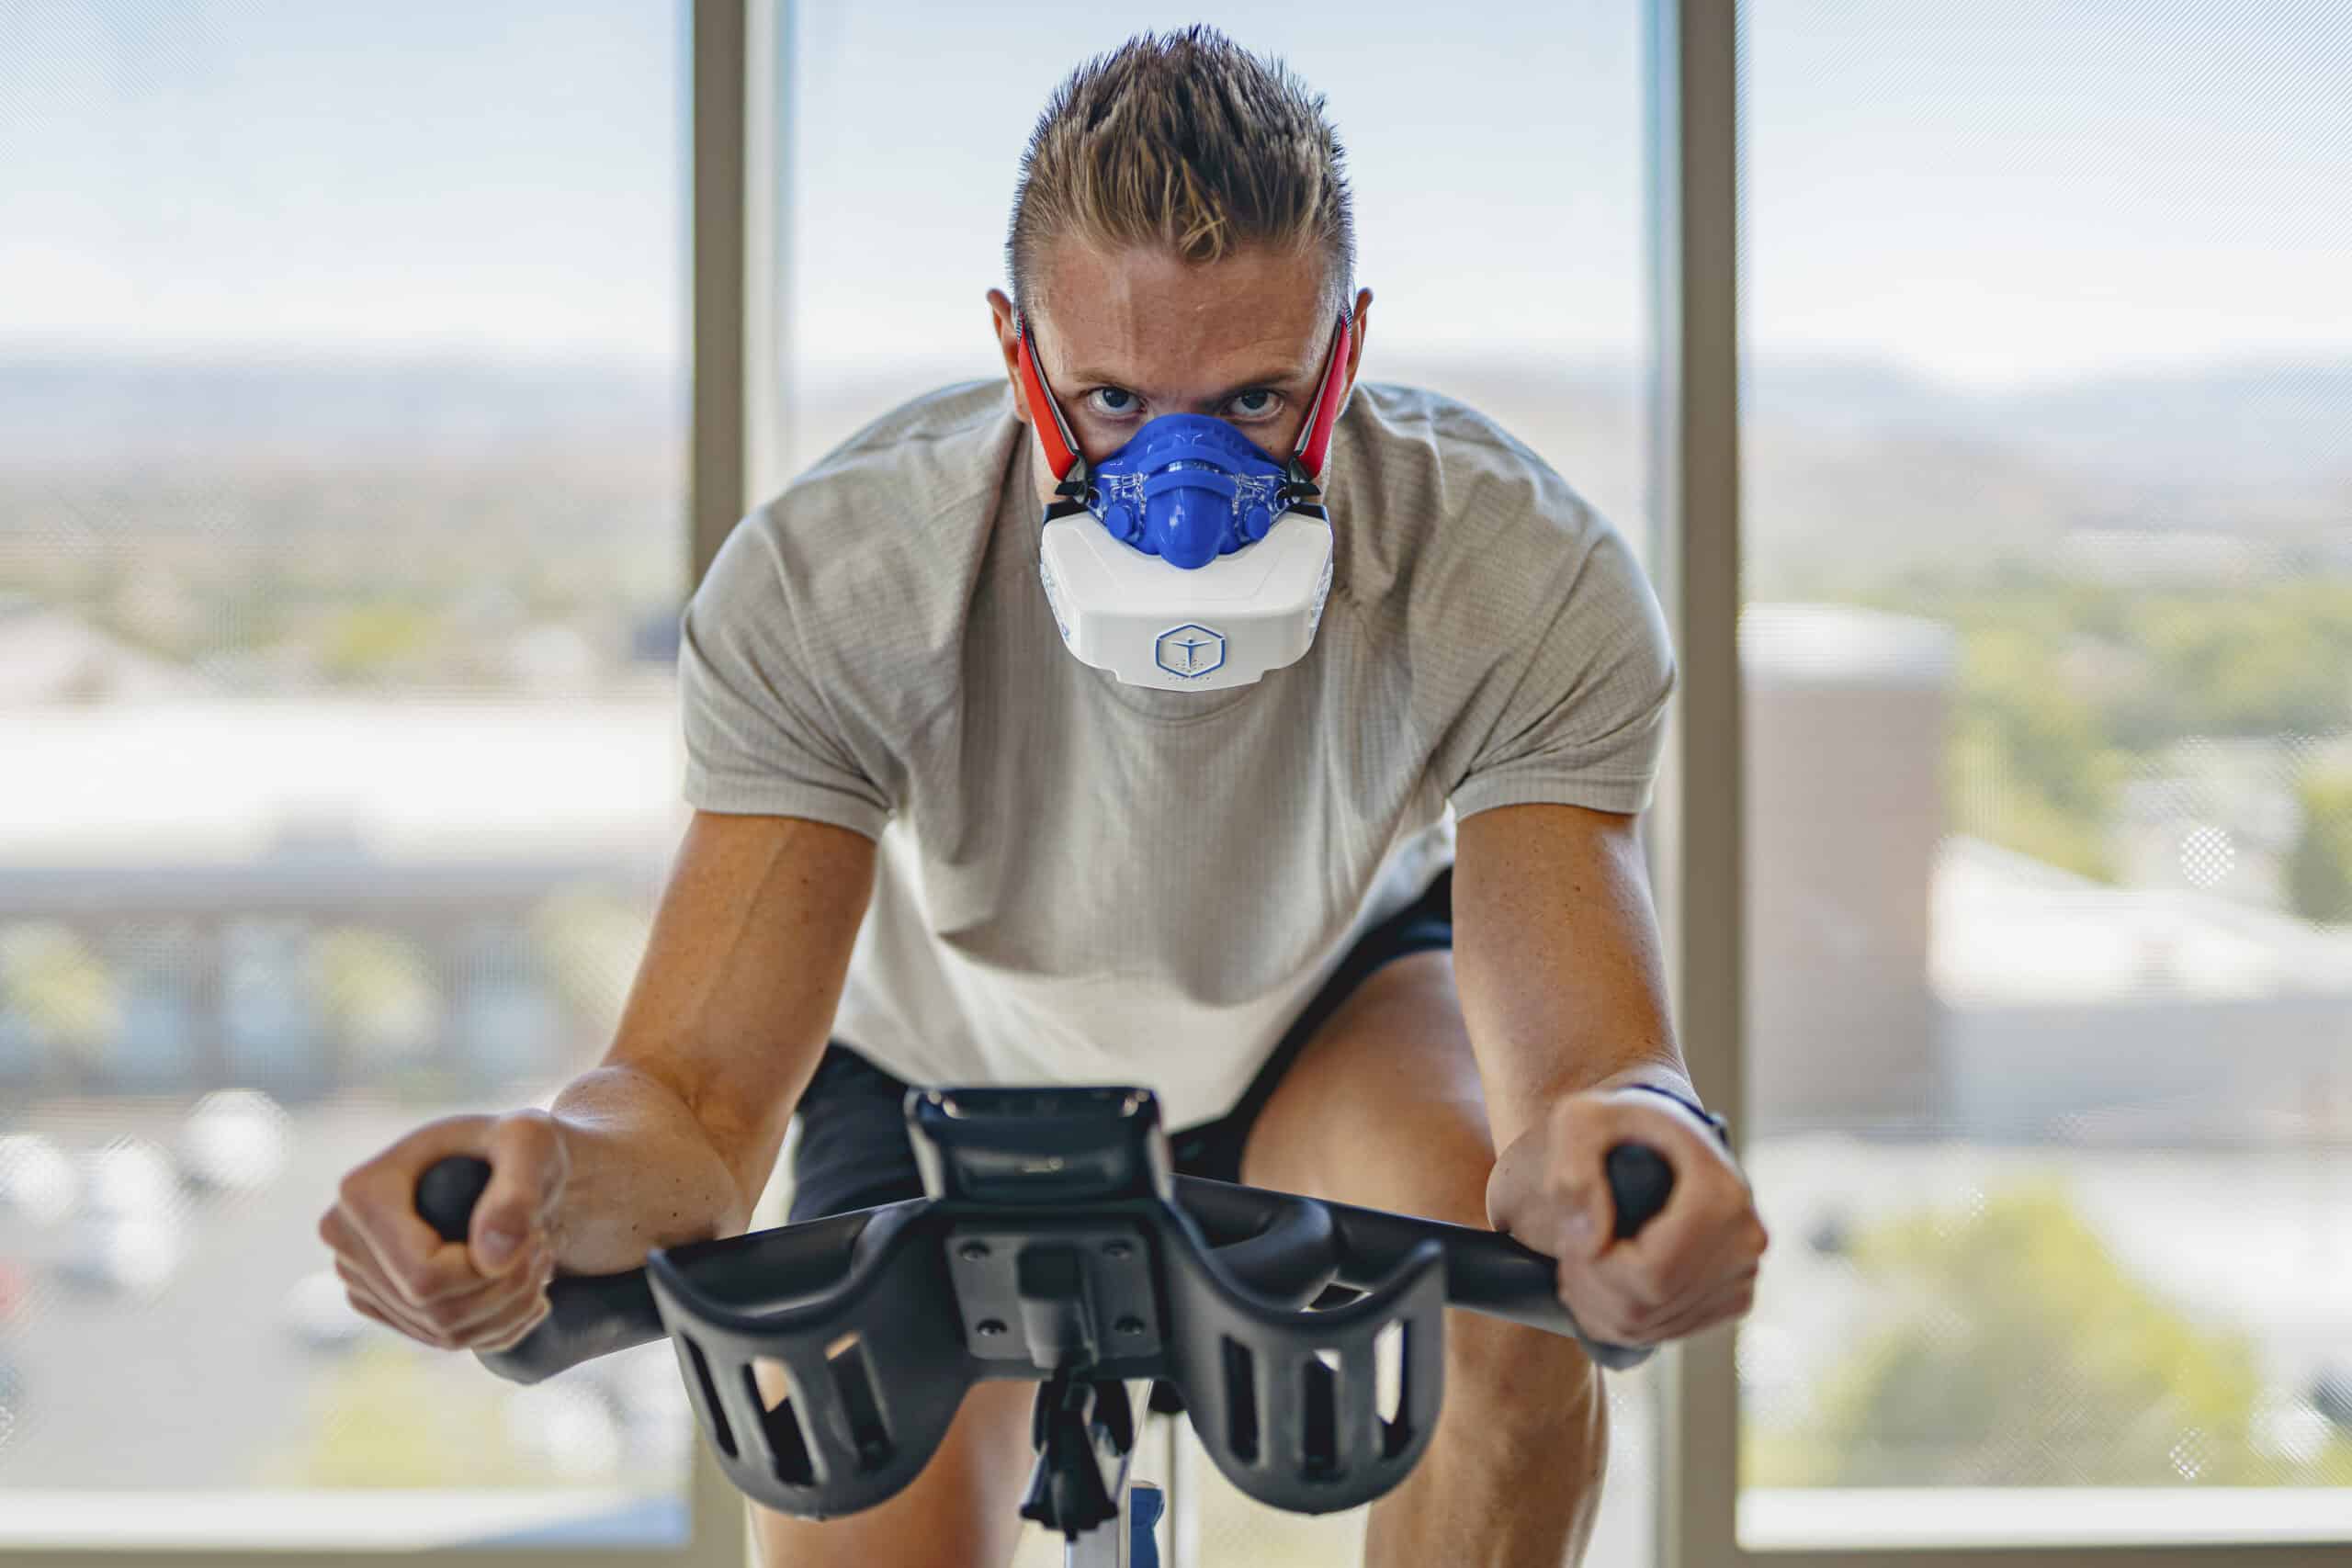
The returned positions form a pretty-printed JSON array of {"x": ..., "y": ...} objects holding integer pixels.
[{"x": 1188, "y": 142}]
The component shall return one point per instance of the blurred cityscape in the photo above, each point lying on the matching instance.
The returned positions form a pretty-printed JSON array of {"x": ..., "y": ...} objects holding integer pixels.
[
  {"x": 341, "y": 771},
  {"x": 339, "y": 758},
  {"x": 337, "y": 793}
]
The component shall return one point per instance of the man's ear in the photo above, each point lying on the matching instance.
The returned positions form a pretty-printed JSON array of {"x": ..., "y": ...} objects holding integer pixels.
[
  {"x": 1008, "y": 339},
  {"x": 1356, "y": 330}
]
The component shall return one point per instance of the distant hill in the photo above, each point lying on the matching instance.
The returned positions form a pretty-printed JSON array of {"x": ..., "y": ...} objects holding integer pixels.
[
  {"x": 2276, "y": 420},
  {"x": 2247, "y": 423},
  {"x": 75, "y": 412},
  {"x": 1857, "y": 462}
]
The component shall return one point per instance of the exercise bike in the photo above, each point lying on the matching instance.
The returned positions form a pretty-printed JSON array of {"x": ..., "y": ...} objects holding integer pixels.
[{"x": 1056, "y": 1244}]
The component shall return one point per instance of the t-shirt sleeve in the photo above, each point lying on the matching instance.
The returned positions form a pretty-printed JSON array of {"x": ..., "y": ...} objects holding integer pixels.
[
  {"x": 1579, "y": 708},
  {"x": 760, "y": 738}
]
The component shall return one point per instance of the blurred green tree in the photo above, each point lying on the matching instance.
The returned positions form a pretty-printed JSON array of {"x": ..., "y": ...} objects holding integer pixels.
[
  {"x": 2020, "y": 1352},
  {"x": 588, "y": 941},
  {"x": 381, "y": 996},
  {"x": 2066, "y": 683},
  {"x": 393, "y": 1416},
  {"x": 361, "y": 643},
  {"x": 2319, "y": 868},
  {"x": 60, "y": 985}
]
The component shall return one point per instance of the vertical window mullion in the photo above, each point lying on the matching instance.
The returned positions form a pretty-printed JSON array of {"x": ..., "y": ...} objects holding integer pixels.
[
  {"x": 718, "y": 479},
  {"x": 731, "y": 92},
  {"x": 1693, "y": 151}
]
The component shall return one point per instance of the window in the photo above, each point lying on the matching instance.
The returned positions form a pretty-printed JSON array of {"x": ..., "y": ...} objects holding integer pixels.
[
  {"x": 2049, "y": 612},
  {"x": 1498, "y": 169},
  {"x": 341, "y": 543}
]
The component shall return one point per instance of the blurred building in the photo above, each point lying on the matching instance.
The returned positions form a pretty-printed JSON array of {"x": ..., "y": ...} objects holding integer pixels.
[
  {"x": 304, "y": 895},
  {"x": 301, "y": 896},
  {"x": 2077, "y": 1010},
  {"x": 2217, "y": 815},
  {"x": 1845, "y": 741},
  {"x": 50, "y": 656},
  {"x": 1903, "y": 980}
]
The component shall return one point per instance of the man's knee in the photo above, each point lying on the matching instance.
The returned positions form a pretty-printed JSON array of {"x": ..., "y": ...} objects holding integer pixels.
[
  {"x": 1528, "y": 1388},
  {"x": 1382, "y": 1147},
  {"x": 1382, "y": 1107}
]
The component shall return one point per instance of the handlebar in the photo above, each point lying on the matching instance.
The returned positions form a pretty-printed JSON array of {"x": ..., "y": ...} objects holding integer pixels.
[
  {"x": 1287, "y": 1248},
  {"x": 1055, "y": 1243},
  {"x": 588, "y": 1314}
]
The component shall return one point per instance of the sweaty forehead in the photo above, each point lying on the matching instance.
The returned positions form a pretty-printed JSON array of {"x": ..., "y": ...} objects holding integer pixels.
[{"x": 1141, "y": 311}]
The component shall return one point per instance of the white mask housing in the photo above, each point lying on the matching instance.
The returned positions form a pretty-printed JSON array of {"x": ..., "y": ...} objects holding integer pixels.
[{"x": 1189, "y": 560}]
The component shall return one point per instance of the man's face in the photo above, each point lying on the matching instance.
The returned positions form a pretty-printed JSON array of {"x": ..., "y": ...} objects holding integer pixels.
[{"x": 1127, "y": 335}]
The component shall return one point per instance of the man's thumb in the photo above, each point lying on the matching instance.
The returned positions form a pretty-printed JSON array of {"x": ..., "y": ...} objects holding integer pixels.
[{"x": 526, "y": 1175}]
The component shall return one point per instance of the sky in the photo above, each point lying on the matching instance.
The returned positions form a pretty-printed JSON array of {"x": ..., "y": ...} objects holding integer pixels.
[{"x": 2002, "y": 192}]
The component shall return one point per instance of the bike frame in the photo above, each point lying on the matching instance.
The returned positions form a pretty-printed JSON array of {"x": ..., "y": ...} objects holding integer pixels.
[{"x": 1111, "y": 1544}]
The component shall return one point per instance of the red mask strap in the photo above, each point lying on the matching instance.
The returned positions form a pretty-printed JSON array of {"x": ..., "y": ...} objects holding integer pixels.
[
  {"x": 1315, "y": 441},
  {"x": 1061, "y": 447}
]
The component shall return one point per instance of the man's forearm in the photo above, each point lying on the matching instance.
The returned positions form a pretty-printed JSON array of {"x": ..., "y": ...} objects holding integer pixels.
[{"x": 643, "y": 1173}]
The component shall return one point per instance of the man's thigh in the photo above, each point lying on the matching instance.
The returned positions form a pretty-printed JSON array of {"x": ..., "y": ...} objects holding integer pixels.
[
  {"x": 963, "y": 1511},
  {"x": 1383, "y": 1107}
]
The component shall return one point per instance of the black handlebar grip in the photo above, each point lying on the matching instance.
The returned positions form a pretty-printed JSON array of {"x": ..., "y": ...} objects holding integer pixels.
[
  {"x": 1639, "y": 1182},
  {"x": 1488, "y": 1273},
  {"x": 588, "y": 1316},
  {"x": 448, "y": 1191}
]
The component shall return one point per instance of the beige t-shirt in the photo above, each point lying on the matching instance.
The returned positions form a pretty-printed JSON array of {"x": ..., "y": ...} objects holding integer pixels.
[{"x": 1083, "y": 882}]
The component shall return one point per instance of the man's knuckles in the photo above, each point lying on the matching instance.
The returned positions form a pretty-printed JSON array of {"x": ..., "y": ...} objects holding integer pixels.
[
  {"x": 493, "y": 1320},
  {"x": 529, "y": 1144}
]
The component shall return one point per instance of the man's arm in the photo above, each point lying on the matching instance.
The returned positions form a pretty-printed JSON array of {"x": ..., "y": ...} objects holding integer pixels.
[
  {"x": 1557, "y": 959},
  {"x": 671, "y": 1137},
  {"x": 1556, "y": 955}
]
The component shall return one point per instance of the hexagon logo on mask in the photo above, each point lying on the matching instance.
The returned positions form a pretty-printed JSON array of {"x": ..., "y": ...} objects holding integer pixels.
[{"x": 1189, "y": 651}]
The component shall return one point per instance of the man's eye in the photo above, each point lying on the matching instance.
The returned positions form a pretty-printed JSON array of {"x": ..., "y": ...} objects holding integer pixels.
[
  {"x": 1114, "y": 400},
  {"x": 1256, "y": 405}
]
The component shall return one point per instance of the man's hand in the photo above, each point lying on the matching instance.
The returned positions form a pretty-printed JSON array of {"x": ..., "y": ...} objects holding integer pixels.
[
  {"x": 1691, "y": 1266},
  {"x": 671, "y": 1138},
  {"x": 483, "y": 1293}
]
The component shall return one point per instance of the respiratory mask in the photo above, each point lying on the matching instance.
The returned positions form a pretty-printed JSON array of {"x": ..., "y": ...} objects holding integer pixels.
[{"x": 1189, "y": 560}]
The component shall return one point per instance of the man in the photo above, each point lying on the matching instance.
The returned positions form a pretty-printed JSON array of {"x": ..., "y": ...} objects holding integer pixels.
[{"x": 949, "y": 823}]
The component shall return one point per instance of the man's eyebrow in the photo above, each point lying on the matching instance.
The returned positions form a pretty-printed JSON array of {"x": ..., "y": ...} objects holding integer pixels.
[{"x": 1290, "y": 375}]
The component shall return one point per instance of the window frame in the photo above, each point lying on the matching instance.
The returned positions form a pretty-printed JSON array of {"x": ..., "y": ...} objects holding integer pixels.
[
  {"x": 733, "y": 59},
  {"x": 1696, "y": 830}
]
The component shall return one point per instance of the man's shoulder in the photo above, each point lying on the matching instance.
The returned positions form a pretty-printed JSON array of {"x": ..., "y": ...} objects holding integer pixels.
[
  {"x": 937, "y": 450},
  {"x": 868, "y": 556},
  {"x": 905, "y": 497},
  {"x": 1440, "y": 497},
  {"x": 1499, "y": 602}
]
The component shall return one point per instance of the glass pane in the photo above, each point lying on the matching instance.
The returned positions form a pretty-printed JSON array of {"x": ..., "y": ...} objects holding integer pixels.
[
  {"x": 1500, "y": 225},
  {"x": 340, "y": 551},
  {"x": 2048, "y": 629}
]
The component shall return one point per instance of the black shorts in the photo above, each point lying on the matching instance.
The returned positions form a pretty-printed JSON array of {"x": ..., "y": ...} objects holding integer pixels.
[{"x": 853, "y": 1152}]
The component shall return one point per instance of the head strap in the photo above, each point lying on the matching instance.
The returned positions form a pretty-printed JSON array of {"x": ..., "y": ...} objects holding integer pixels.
[
  {"x": 1062, "y": 453},
  {"x": 1315, "y": 441}
]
